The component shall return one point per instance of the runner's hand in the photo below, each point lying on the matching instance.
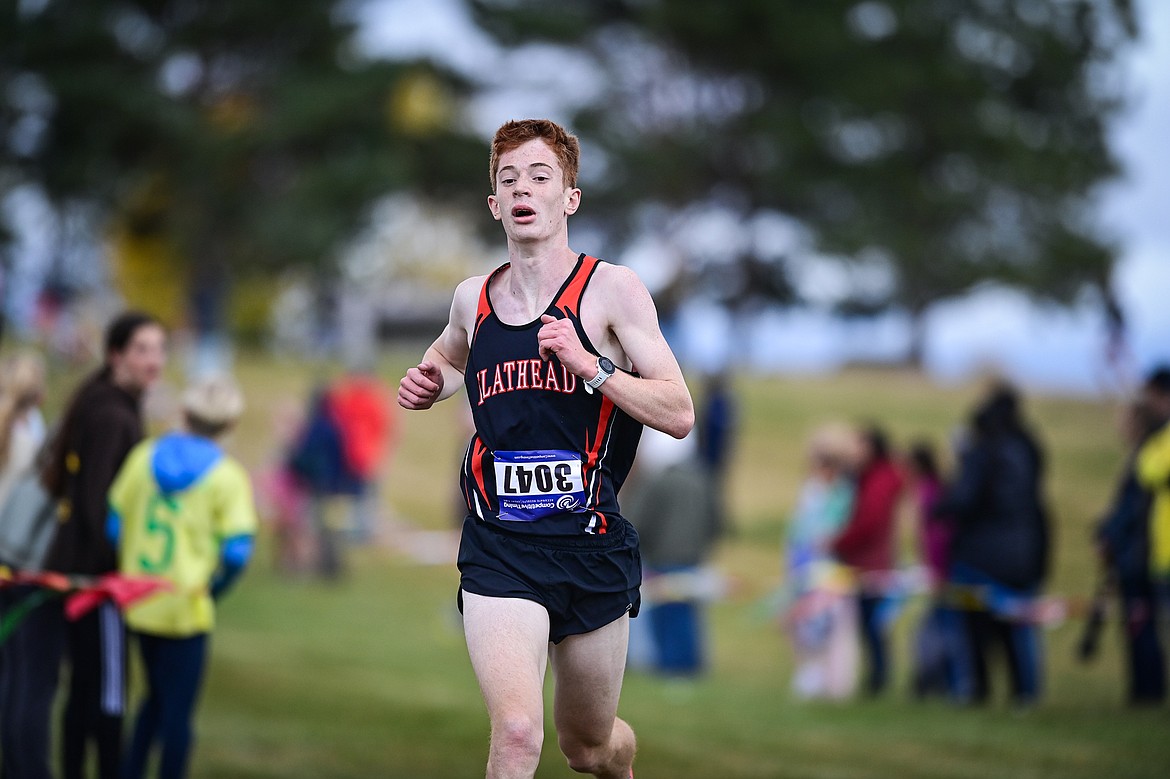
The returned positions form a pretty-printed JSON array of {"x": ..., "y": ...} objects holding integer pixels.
[
  {"x": 420, "y": 387},
  {"x": 559, "y": 337}
]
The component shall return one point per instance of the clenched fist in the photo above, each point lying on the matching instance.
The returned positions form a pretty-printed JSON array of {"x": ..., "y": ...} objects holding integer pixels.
[
  {"x": 559, "y": 337},
  {"x": 420, "y": 387}
]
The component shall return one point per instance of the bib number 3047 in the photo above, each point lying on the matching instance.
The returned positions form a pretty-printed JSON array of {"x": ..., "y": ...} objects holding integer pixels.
[{"x": 534, "y": 484}]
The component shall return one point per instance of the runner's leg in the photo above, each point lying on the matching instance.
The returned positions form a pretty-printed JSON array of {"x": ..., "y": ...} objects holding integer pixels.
[
  {"x": 507, "y": 639},
  {"x": 588, "y": 669}
]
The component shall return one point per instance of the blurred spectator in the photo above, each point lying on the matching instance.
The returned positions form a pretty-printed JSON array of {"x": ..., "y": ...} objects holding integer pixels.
[
  {"x": 27, "y": 514},
  {"x": 22, "y": 427},
  {"x": 821, "y": 618},
  {"x": 716, "y": 430},
  {"x": 867, "y": 545},
  {"x": 282, "y": 498},
  {"x": 181, "y": 510},
  {"x": 1153, "y": 473},
  {"x": 999, "y": 557},
  {"x": 934, "y": 646},
  {"x": 716, "y": 423},
  {"x": 1123, "y": 542},
  {"x": 360, "y": 405},
  {"x": 935, "y": 533},
  {"x": 672, "y": 505},
  {"x": 22, "y": 433},
  {"x": 101, "y": 424},
  {"x": 319, "y": 462}
]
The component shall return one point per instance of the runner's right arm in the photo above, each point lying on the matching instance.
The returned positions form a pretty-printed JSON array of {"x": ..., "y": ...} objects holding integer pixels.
[{"x": 440, "y": 374}]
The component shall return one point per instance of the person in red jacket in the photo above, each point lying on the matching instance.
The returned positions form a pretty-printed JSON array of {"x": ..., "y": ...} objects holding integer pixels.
[
  {"x": 359, "y": 404},
  {"x": 867, "y": 545}
]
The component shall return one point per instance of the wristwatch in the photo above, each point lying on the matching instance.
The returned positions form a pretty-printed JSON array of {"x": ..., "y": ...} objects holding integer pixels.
[{"x": 605, "y": 369}]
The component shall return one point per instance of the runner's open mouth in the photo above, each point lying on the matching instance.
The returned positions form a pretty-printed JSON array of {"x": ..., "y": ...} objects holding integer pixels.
[{"x": 522, "y": 211}]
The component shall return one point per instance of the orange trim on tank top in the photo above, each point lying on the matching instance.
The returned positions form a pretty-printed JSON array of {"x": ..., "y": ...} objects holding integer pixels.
[
  {"x": 569, "y": 300},
  {"x": 478, "y": 451}
]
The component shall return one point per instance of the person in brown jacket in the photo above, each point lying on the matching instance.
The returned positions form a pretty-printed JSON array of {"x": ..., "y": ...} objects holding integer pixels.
[{"x": 102, "y": 422}]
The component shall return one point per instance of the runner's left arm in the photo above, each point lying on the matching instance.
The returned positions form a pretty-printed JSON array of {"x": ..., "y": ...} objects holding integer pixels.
[{"x": 657, "y": 396}]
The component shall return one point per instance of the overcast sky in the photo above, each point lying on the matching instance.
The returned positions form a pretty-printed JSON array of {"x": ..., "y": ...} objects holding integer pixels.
[{"x": 1139, "y": 205}]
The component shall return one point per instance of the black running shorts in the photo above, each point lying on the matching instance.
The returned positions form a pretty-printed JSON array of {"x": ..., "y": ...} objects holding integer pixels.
[{"x": 584, "y": 582}]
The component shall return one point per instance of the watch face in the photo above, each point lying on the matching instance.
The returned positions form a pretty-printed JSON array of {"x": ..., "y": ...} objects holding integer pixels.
[{"x": 605, "y": 364}]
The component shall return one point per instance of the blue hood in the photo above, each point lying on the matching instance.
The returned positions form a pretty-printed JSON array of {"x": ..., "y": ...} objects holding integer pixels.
[{"x": 181, "y": 459}]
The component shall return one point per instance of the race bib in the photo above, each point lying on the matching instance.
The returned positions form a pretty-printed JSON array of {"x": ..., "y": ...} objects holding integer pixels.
[{"x": 537, "y": 483}]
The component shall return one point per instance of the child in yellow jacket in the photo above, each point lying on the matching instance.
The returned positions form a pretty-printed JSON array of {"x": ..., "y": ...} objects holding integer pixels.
[{"x": 181, "y": 510}]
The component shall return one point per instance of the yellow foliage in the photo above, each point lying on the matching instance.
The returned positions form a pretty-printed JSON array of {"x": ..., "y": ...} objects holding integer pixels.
[
  {"x": 233, "y": 113},
  {"x": 250, "y": 308},
  {"x": 418, "y": 105},
  {"x": 149, "y": 275}
]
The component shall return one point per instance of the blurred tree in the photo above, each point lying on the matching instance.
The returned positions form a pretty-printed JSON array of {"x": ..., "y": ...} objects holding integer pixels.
[
  {"x": 954, "y": 141},
  {"x": 226, "y": 139}
]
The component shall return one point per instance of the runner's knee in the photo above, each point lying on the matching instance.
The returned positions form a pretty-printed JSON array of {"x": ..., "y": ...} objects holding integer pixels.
[
  {"x": 585, "y": 755},
  {"x": 517, "y": 737}
]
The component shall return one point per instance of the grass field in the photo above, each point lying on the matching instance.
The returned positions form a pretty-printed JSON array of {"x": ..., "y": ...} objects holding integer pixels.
[{"x": 369, "y": 677}]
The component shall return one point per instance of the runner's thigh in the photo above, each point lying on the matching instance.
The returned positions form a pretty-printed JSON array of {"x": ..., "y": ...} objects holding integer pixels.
[
  {"x": 588, "y": 670},
  {"x": 507, "y": 640}
]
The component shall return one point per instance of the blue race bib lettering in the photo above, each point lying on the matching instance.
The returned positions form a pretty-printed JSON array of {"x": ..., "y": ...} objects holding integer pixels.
[{"x": 534, "y": 484}]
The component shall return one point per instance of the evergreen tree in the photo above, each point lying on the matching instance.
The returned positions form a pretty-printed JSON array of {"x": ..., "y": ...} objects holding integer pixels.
[
  {"x": 249, "y": 135},
  {"x": 952, "y": 141}
]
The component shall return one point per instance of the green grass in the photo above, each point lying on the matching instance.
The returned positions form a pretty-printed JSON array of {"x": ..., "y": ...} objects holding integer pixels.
[{"x": 369, "y": 677}]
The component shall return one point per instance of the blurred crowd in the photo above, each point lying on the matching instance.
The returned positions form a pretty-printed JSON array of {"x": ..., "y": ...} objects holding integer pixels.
[
  {"x": 981, "y": 538},
  {"x": 112, "y": 511},
  {"x": 962, "y": 533},
  {"x": 982, "y": 541},
  {"x": 96, "y": 513},
  {"x": 320, "y": 490}
]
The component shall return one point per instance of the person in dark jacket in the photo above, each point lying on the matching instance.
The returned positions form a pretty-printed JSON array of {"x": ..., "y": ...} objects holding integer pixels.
[
  {"x": 716, "y": 426},
  {"x": 1123, "y": 543},
  {"x": 102, "y": 422},
  {"x": 319, "y": 463},
  {"x": 999, "y": 553},
  {"x": 673, "y": 505}
]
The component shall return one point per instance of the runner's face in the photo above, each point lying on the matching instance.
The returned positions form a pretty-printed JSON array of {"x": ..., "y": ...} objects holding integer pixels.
[
  {"x": 141, "y": 363},
  {"x": 531, "y": 199}
]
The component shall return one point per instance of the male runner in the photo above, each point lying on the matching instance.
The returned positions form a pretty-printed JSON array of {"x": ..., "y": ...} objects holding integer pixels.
[{"x": 563, "y": 361}]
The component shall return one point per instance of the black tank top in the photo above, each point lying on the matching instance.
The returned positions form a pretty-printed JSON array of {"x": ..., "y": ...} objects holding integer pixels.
[{"x": 548, "y": 457}]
